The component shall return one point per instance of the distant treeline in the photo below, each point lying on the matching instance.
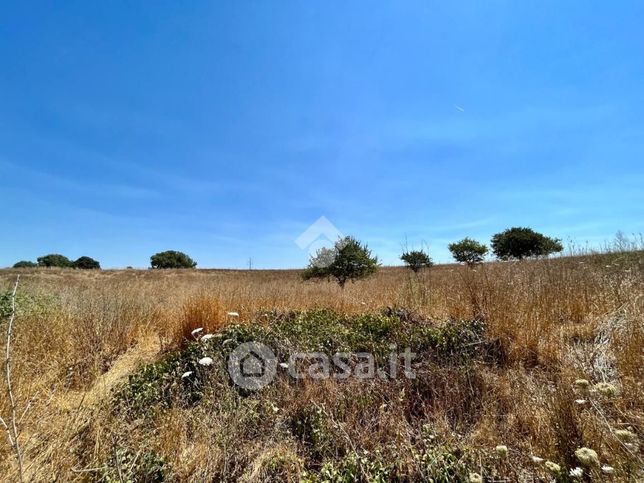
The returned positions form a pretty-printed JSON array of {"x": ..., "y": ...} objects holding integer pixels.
[
  {"x": 167, "y": 259},
  {"x": 348, "y": 253},
  {"x": 350, "y": 260},
  {"x": 57, "y": 260}
]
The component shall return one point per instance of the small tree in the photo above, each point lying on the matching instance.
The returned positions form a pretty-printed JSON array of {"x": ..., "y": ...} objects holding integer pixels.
[
  {"x": 25, "y": 264},
  {"x": 55, "y": 260},
  {"x": 87, "y": 263},
  {"x": 468, "y": 251},
  {"x": 347, "y": 260},
  {"x": 320, "y": 262},
  {"x": 172, "y": 259},
  {"x": 416, "y": 260},
  {"x": 518, "y": 243}
]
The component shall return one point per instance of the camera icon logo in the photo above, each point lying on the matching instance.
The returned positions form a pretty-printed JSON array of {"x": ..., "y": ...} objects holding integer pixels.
[{"x": 252, "y": 365}]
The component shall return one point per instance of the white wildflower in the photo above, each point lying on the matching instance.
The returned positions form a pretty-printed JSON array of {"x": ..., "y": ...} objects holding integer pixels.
[
  {"x": 232, "y": 314},
  {"x": 577, "y": 472},
  {"x": 553, "y": 467},
  {"x": 536, "y": 460},
  {"x": 207, "y": 337},
  {"x": 587, "y": 457},
  {"x": 608, "y": 470},
  {"x": 580, "y": 401},
  {"x": 196, "y": 331},
  {"x": 205, "y": 361},
  {"x": 501, "y": 451},
  {"x": 284, "y": 365},
  {"x": 476, "y": 478},
  {"x": 186, "y": 374}
]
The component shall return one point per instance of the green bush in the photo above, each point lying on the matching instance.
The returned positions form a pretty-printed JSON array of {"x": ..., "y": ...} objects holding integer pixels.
[
  {"x": 348, "y": 260},
  {"x": 55, "y": 260},
  {"x": 442, "y": 466},
  {"x": 160, "y": 383},
  {"x": 171, "y": 259},
  {"x": 87, "y": 263},
  {"x": 26, "y": 304},
  {"x": 126, "y": 466},
  {"x": 25, "y": 264},
  {"x": 356, "y": 467},
  {"x": 468, "y": 251},
  {"x": 416, "y": 260},
  {"x": 321, "y": 330},
  {"x": 518, "y": 243}
]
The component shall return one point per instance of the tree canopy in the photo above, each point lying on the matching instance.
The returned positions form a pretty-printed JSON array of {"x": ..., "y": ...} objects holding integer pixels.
[
  {"x": 25, "y": 264},
  {"x": 55, "y": 260},
  {"x": 519, "y": 242},
  {"x": 416, "y": 260},
  {"x": 172, "y": 259},
  {"x": 347, "y": 260},
  {"x": 87, "y": 263},
  {"x": 468, "y": 251}
]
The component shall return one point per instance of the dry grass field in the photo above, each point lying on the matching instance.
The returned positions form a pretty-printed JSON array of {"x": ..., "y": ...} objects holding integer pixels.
[{"x": 97, "y": 360}]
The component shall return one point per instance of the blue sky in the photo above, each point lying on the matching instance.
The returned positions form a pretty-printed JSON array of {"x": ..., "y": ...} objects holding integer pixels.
[{"x": 225, "y": 129}]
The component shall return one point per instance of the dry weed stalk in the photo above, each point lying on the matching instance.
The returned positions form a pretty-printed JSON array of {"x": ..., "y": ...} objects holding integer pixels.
[{"x": 12, "y": 428}]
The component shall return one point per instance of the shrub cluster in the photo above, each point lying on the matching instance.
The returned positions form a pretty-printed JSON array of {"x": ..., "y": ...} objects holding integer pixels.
[
  {"x": 322, "y": 330},
  {"x": 447, "y": 356},
  {"x": 60, "y": 261}
]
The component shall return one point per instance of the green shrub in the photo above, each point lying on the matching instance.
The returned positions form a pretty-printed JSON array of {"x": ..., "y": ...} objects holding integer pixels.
[
  {"x": 25, "y": 264},
  {"x": 55, "y": 260},
  {"x": 313, "y": 428},
  {"x": 160, "y": 383},
  {"x": 468, "y": 251},
  {"x": 518, "y": 243},
  {"x": 356, "y": 467},
  {"x": 416, "y": 260},
  {"x": 26, "y": 304},
  {"x": 348, "y": 260},
  {"x": 125, "y": 466},
  {"x": 441, "y": 466},
  {"x": 87, "y": 263},
  {"x": 171, "y": 259}
]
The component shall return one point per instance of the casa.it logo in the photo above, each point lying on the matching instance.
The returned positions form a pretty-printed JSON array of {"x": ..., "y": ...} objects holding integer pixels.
[
  {"x": 321, "y": 234},
  {"x": 252, "y": 365}
]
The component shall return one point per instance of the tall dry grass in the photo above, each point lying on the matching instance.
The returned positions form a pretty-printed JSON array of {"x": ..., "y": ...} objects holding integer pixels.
[{"x": 555, "y": 321}]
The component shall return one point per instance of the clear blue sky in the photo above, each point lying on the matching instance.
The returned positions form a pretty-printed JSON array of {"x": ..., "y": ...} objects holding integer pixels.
[{"x": 224, "y": 129}]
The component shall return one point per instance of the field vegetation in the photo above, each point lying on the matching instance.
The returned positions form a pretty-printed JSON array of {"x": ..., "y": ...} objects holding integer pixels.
[{"x": 527, "y": 370}]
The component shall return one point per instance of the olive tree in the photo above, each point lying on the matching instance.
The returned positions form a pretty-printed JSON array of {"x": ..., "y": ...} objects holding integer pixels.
[
  {"x": 347, "y": 260},
  {"x": 87, "y": 263},
  {"x": 416, "y": 260},
  {"x": 171, "y": 259},
  {"x": 55, "y": 260},
  {"x": 468, "y": 251},
  {"x": 519, "y": 243}
]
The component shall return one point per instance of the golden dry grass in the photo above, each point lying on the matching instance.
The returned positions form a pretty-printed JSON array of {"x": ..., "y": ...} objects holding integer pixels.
[{"x": 555, "y": 321}]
